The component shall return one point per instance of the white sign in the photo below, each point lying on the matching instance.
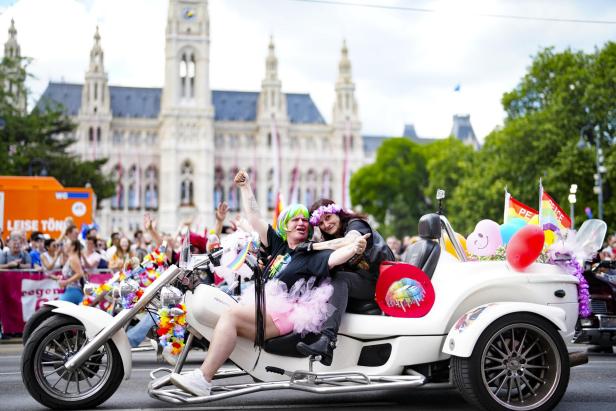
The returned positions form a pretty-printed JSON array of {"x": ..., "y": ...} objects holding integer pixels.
[{"x": 36, "y": 292}]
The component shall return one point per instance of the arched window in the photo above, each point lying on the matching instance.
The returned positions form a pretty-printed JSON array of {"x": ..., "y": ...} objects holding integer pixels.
[
  {"x": 188, "y": 73},
  {"x": 134, "y": 191},
  {"x": 233, "y": 197},
  {"x": 151, "y": 188},
  {"x": 91, "y": 134},
  {"x": 294, "y": 186},
  {"x": 219, "y": 186},
  {"x": 270, "y": 190},
  {"x": 310, "y": 195},
  {"x": 98, "y": 134},
  {"x": 186, "y": 184},
  {"x": 326, "y": 187},
  {"x": 117, "y": 201}
]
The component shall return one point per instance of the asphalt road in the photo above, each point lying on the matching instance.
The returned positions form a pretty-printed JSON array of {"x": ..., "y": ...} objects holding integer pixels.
[{"x": 592, "y": 386}]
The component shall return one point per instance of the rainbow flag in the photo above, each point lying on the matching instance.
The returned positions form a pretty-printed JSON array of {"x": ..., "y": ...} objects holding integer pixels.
[
  {"x": 278, "y": 207},
  {"x": 239, "y": 258},
  {"x": 550, "y": 214},
  {"x": 517, "y": 209}
]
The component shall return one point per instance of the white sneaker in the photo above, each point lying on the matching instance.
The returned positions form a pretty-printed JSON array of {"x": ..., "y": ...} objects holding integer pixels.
[{"x": 193, "y": 382}]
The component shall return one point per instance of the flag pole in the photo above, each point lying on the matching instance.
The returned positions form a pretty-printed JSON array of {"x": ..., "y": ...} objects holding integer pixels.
[{"x": 506, "y": 210}]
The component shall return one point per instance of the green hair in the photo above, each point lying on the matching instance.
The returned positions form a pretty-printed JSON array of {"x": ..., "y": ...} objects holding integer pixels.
[{"x": 287, "y": 214}]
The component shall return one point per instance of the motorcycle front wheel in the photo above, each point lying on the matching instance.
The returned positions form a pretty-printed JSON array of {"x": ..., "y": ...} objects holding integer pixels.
[{"x": 43, "y": 373}]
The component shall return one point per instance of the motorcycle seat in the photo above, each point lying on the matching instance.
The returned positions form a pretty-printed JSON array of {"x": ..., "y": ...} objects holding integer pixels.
[
  {"x": 425, "y": 253},
  {"x": 286, "y": 344}
]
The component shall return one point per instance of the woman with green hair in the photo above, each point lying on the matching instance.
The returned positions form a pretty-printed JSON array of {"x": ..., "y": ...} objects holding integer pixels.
[{"x": 291, "y": 273}]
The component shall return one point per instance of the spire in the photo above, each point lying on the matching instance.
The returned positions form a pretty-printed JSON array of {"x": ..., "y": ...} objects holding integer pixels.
[
  {"x": 344, "y": 67},
  {"x": 11, "y": 47},
  {"x": 345, "y": 108},
  {"x": 272, "y": 100},
  {"x": 96, "y": 54},
  {"x": 271, "y": 63}
]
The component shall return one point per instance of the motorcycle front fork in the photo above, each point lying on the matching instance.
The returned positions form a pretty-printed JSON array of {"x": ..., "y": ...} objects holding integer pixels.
[{"x": 182, "y": 358}]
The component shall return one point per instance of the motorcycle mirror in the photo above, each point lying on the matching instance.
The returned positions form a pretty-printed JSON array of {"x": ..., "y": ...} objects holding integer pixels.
[{"x": 591, "y": 234}]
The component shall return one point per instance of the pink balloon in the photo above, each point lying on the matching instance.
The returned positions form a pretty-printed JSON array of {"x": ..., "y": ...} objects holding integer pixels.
[
  {"x": 525, "y": 246},
  {"x": 485, "y": 239}
]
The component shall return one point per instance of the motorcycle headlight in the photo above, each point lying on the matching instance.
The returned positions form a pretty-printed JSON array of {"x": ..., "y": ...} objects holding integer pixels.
[
  {"x": 170, "y": 296},
  {"x": 586, "y": 322}
]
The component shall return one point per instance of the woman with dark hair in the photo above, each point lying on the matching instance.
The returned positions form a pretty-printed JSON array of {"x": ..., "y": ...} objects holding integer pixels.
[
  {"x": 356, "y": 279},
  {"x": 72, "y": 273}
]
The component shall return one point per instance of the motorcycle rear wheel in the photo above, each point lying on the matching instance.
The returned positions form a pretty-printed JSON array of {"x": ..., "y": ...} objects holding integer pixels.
[
  {"x": 42, "y": 367},
  {"x": 519, "y": 363}
]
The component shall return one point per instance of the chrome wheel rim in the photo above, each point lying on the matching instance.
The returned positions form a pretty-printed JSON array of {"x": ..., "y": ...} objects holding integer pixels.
[
  {"x": 521, "y": 367},
  {"x": 81, "y": 383}
]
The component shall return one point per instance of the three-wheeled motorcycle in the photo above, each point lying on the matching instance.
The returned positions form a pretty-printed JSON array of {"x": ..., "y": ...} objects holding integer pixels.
[{"x": 496, "y": 334}]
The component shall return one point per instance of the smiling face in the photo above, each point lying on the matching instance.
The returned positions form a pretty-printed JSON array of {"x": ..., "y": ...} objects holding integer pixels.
[
  {"x": 330, "y": 224},
  {"x": 485, "y": 239}
]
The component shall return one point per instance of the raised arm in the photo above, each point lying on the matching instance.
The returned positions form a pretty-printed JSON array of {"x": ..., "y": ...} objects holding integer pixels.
[
  {"x": 150, "y": 225},
  {"x": 251, "y": 207},
  {"x": 221, "y": 214},
  {"x": 345, "y": 253}
]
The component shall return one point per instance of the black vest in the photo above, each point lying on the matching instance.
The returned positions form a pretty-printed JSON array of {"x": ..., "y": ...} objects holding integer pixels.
[{"x": 375, "y": 255}]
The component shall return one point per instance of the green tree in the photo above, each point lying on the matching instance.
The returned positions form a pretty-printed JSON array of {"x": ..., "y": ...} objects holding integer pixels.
[
  {"x": 448, "y": 162},
  {"x": 31, "y": 142},
  {"x": 391, "y": 189},
  {"x": 561, "y": 95}
]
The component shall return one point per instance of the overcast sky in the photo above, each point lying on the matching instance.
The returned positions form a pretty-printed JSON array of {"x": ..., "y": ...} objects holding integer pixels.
[{"x": 406, "y": 63}]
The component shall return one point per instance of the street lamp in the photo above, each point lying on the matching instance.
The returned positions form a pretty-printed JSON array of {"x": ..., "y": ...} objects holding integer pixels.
[
  {"x": 596, "y": 142},
  {"x": 572, "y": 200}
]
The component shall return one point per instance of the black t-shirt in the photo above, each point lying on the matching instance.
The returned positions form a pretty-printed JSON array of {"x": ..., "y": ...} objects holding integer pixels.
[{"x": 289, "y": 265}]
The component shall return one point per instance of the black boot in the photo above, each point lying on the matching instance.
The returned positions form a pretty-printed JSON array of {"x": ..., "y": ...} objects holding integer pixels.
[{"x": 324, "y": 347}]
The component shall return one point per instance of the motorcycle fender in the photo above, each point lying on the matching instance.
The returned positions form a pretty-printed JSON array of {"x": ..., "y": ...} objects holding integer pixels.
[
  {"x": 462, "y": 338},
  {"x": 94, "y": 320}
]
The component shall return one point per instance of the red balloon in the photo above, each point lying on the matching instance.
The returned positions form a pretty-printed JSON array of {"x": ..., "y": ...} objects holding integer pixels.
[{"x": 525, "y": 246}]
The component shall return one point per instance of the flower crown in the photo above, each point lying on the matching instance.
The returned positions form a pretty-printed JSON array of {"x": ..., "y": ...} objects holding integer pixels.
[{"x": 317, "y": 214}]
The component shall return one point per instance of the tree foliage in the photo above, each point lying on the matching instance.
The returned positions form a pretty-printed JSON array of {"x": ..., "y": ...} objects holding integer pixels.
[
  {"x": 562, "y": 97},
  {"x": 36, "y": 143},
  {"x": 391, "y": 189}
]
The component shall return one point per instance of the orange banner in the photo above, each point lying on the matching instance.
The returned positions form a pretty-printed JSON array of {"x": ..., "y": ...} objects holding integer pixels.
[{"x": 42, "y": 204}]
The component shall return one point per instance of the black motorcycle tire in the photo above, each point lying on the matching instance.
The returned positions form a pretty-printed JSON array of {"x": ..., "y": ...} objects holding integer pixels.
[
  {"x": 31, "y": 374},
  {"x": 43, "y": 313},
  {"x": 473, "y": 375}
]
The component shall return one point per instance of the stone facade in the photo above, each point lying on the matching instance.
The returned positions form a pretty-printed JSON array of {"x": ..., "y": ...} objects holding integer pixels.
[{"x": 174, "y": 151}]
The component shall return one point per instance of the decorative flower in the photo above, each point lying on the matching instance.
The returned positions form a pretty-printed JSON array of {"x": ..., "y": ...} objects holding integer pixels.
[{"x": 317, "y": 214}]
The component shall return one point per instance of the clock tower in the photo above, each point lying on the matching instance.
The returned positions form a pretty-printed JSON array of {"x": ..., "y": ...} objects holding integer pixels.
[{"x": 186, "y": 117}]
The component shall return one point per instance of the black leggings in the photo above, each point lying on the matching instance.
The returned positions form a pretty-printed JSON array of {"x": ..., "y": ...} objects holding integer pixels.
[{"x": 346, "y": 285}]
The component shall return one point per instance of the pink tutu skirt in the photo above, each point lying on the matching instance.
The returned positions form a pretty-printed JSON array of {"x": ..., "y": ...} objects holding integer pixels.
[{"x": 305, "y": 305}]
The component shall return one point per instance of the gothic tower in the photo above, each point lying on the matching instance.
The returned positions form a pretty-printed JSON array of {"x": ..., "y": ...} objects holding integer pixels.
[
  {"x": 94, "y": 118},
  {"x": 273, "y": 123},
  {"x": 186, "y": 117},
  {"x": 15, "y": 81},
  {"x": 347, "y": 127}
]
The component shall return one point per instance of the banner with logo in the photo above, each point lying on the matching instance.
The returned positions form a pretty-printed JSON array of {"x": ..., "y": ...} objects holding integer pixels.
[{"x": 23, "y": 292}]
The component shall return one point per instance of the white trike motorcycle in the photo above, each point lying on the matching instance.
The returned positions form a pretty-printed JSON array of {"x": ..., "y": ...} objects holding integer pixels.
[{"x": 496, "y": 334}]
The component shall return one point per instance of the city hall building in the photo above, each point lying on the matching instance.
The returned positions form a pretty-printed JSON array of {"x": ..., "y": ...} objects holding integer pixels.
[{"x": 175, "y": 150}]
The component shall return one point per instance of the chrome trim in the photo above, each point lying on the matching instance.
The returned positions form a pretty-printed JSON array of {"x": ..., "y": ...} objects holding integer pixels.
[
  {"x": 452, "y": 236},
  {"x": 120, "y": 320},
  {"x": 319, "y": 383}
]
